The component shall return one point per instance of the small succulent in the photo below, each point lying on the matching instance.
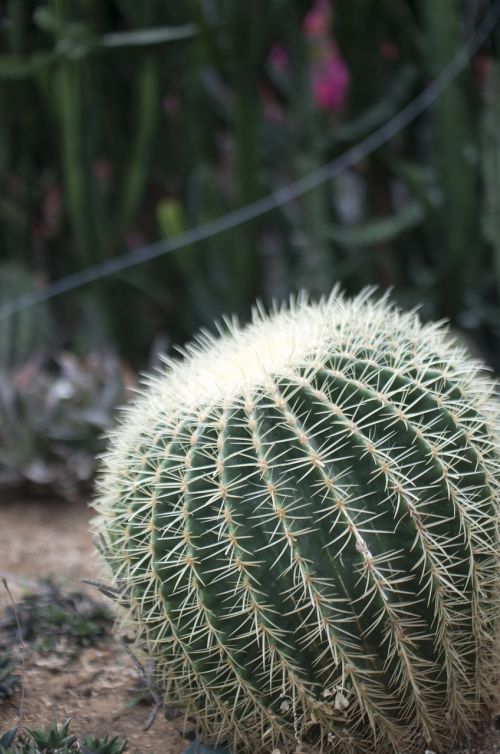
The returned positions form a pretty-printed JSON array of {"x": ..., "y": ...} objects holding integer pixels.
[
  {"x": 105, "y": 745},
  {"x": 9, "y": 681},
  {"x": 53, "y": 414},
  {"x": 49, "y": 615},
  {"x": 55, "y": 738},
  {"x": 6, "y": 740}
]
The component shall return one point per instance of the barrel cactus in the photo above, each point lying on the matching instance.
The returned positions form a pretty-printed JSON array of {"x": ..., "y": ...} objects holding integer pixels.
[{"x": 301, "y": 516}]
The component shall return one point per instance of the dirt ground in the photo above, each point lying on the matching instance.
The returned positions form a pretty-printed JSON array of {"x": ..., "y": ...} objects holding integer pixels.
[{"x": 40, "y": 539}]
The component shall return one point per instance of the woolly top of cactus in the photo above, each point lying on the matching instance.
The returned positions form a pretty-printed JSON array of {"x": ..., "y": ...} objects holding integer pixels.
[
  {"x": 216, "y": 370},
  {"x": 294, "y": 340},
  {"x": 245, "y": 358}
]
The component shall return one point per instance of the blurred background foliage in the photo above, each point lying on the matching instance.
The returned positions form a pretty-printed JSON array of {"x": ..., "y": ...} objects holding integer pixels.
[{"x": 126, "y": 122}]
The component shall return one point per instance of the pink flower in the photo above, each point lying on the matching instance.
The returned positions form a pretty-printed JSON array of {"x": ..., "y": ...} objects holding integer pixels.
[
  {"x": 317, "y": 20},
  {"x": 330, "y": 83},
  {"x": 278, "y": 57}
]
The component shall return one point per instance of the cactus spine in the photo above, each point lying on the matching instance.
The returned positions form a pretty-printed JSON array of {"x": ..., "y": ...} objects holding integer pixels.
[{"x": 303, "y": 518}]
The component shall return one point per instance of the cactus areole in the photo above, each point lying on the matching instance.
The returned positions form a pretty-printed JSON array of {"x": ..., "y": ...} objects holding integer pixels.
[{"x": 302, "y": 518}]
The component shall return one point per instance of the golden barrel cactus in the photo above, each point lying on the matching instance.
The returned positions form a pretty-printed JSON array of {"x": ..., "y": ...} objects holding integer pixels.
[{"x": 302, "y": 518}]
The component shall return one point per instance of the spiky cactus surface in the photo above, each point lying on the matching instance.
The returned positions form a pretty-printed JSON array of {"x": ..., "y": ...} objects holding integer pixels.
[{"x": 303, "y": 517}]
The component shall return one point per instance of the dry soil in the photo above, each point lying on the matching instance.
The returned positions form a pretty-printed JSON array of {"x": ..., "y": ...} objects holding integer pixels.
[{"x": 39, "y": 539}]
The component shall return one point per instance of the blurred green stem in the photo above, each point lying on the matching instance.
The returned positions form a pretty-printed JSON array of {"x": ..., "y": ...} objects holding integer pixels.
[
  {"x": 68, "y": 81},
  {"x": 246, "y": 35},
  {"x": 490, "y": 154},
  {"x": 146, "y": 110},
  {"x": 16, "y": 31},
  {"x": 454, "y": 155}
]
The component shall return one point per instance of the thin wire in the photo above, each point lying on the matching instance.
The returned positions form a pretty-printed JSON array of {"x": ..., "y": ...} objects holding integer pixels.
[{"x": 281, "y": 196}]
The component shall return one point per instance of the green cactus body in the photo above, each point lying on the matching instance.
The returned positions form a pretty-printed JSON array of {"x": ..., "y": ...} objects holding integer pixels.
[{"x": 303, "y": 518}]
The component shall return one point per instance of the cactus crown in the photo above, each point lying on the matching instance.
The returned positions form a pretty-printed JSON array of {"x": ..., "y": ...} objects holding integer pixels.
[{"x": 303, "y": 517}]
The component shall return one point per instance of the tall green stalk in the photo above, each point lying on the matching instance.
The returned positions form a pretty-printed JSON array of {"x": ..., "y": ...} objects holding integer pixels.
[
  {"x": 145, "y": 109},
  {"x": 70, "y": 96},
  {"x": 454, "y": 148},
  {"x": 490, "y": 158}
]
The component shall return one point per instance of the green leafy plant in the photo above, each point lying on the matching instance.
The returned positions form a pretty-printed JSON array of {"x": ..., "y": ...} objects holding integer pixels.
[
  {"x": 57, "y": 739},
  {"x": 24, "y": 334},
  {"x": 54, "y": 620},
  {"x": 105, "y": 745},
  {"x": 9, "y": 681},
  {"x": 54, "y": 413},
  {"x": 6, "y": 740},
  {"x": 303, "y": 519}
]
